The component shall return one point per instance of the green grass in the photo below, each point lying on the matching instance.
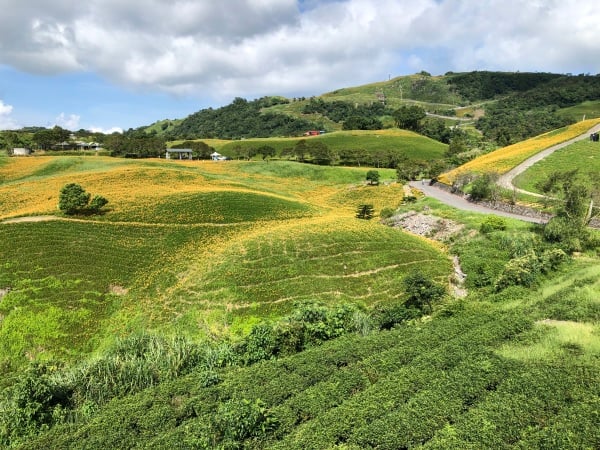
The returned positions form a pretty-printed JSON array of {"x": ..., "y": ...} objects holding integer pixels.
[
  {"x": 226, "y": 244},
  {"x": 583, "y": 155},
  {"x": 63, "y": 276},
  {"x": 219, "y": 207},
  {"x": 589, "y": 110},
  {"x": 410, "y": 144},
  {"x": 515, "y": 369}
]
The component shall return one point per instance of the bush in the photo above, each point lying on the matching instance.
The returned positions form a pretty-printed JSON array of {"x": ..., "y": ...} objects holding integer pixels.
[
  {"x": 493, "y": 223},
  {"x": 73, "y": 199},
  {"x": 387, "y": 212},
  {"x": 483, "y": 187},
  {"x": 373, "y": 177},
  {"x": 421, "y": 291},
  {"x": 365, "y": 212},
  {"x": 569, "y": 234},
  {"x": 521, "y": 271},
  {"x": 388, "y": 317}
]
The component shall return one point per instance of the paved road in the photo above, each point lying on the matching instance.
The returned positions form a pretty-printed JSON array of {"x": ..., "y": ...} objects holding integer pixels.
[
  {"x": 459, "y": 202},
  {"x": 506, "y": 180}
]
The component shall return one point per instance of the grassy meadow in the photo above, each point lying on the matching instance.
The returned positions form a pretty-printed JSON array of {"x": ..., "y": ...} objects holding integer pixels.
[
  {"x": 410, "y": 144},
  {"x": 198, "y": 247},
  {"x": 583, "y": 156},
  {"x": 500, "y": 369}
]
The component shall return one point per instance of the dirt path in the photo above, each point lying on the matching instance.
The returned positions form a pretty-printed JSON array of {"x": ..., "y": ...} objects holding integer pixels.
[
  {"x": 506, "y": 180},
  {"x": 460, "y": 202},
  {"x": 30, "y": 219}
]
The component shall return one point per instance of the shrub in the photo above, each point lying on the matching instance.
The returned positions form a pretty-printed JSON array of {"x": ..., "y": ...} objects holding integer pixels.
[
  {"x": 552, "y": 259},
  {"x": 387, "y": 212},
  {"x": 493, "y": 223},
  {"x": 373, "y": 177},
  {"x": 421, "y": 291},
  {"x": 483, "y": 187},
  {"x": 73, "y": 199},
  {"x": 365, "y": 212},
  {"x": 388, "y": 317},
  {"x": 236, "y": 420},
  {"x": 521, "y": 271}
]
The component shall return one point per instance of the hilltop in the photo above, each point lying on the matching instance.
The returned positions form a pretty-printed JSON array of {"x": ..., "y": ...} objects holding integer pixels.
[{"x": 506, "y": 107}]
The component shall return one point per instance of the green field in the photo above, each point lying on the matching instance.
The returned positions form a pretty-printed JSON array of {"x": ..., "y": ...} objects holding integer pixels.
[
  {"x": 583, "y": 156},
  {"x": 194, "y": 248},
  {"x": 587, "y": 110},
  {"x": 410, "y": 144},
  {"x": 243, "y": 305}
]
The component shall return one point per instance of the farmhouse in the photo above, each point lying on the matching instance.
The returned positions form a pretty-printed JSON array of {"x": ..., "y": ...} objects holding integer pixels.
[
  {"x": 19, "y": 151},
  {"x": 179, "y": 153}
]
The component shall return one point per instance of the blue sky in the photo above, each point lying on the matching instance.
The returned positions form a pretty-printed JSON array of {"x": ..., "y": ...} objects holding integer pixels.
[{"x": 110, "y": 65}]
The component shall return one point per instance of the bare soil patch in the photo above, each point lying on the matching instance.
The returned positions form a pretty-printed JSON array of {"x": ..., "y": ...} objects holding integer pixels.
[
  {"x": 117, "y": 290},
  {"x": 426, "y": 225},
  {"x": 31, "y": 219}
]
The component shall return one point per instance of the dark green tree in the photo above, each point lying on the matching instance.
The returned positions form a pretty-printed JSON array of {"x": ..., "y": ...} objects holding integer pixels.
[
  {"x": 422, "y": 291},
  {"x": 409, "y": 117},
  {"x": 574, "y": 210},
  {"x": 300, "y": 149},
  {"x": 365, "y": 212},
  {"x": 320, "y": 152},
  {"x": 373, "y": 177},
  {"x": 73, "y": 199}
]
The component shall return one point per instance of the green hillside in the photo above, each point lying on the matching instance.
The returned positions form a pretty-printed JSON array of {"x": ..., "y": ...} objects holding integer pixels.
[
  {"x": 349, "y": 144},
  {"x": 503, "y": 368},
  {"x": 248, "y": 304}
]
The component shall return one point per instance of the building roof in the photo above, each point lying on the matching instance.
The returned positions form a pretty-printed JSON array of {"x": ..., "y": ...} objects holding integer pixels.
[{"x": 179, "y": 150}]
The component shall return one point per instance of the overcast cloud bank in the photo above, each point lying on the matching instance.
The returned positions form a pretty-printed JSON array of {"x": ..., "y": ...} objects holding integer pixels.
[{"x": 249, "y": 48}]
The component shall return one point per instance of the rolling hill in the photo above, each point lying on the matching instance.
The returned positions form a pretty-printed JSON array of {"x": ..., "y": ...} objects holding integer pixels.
[{"x": 242, "y": 304}]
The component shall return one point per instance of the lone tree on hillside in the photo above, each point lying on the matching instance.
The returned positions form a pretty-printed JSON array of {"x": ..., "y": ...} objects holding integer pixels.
[
  {"x": 422, "y": 291},
  {"x": 365, "y": 212},
  {"x": 74, "y": 199},
  {"x": 373, "y": 177}
]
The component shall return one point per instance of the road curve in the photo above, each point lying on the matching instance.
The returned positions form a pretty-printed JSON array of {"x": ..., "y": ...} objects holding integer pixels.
[
  {"x": 459, "y": 202},
  {"x": 506, "y": 180}
]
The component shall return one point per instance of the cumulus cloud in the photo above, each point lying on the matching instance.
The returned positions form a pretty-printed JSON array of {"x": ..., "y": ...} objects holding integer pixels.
[
  {"x": 6, "y": 120},
  {"x": 70, "y": 122},
  {"x": 244, "y": 47},
  {"x": 112, "y": 130}
]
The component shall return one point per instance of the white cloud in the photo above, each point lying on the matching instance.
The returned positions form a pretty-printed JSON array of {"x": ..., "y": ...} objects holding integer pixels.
[
  {"x": 257, "y": 47},
  {"x": 6, "y": 120},
  {"x": 106, "y": 130},
  {"x": 70, "y": 122}
]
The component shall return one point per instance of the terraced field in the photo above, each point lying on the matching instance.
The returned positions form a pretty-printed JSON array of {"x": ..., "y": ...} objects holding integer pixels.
[{"x": 191, "y": 247}]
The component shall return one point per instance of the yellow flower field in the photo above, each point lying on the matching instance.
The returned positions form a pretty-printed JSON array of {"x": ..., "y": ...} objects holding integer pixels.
[{"x": 504, "y": 159}]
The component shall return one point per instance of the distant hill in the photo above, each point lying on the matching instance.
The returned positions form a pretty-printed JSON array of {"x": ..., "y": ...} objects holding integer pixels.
[{"x": 505, "y": 107}]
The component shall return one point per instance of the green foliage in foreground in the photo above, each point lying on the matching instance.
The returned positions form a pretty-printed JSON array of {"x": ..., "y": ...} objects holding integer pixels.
[
  {"x": 442, "y": 383},
  {"x": 74, "y": 199}
]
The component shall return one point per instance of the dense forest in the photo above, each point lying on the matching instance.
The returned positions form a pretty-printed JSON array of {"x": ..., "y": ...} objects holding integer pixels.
[{"x": 241, "y": 119}]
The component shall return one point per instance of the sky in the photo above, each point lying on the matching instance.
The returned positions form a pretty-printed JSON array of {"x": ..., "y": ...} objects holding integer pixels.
[{"x": 110, "y": 65}]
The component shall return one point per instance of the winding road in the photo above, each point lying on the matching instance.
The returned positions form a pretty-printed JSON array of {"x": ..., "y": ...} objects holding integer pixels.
[
  {"x": 505, "y": 181},
  {"x": 460, "y": 202}
]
